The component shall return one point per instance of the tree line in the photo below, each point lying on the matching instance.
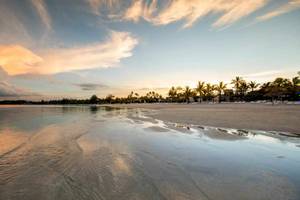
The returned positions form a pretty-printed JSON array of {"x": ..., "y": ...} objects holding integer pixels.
[{"x": 281, "y": 89}]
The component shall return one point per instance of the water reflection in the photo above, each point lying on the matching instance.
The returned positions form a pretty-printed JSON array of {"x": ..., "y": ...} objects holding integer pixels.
[
  {"x": 81, "y": 152},
  {"x": 94, "y": 109}
]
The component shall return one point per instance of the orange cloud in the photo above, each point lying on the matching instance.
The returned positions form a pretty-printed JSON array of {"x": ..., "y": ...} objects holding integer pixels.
[
  {"x": 135, "y": 11},
  {"x": 140, "y": 9},
  {"x": 16, "y": 59},
  {"x": 193, "y": 10},
  {"x": 237, "y": 10},
  {"x": 19, "y": 60},
  {"x": 290, "y": 6}
]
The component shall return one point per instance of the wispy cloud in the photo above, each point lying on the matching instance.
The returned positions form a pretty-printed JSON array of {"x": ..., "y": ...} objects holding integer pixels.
[
  {"x": 140, "y": 9},
  {"x": 19, "y": 60},
  {"x": 14, "y": 21},
  {"x": 9, "y": 90},
  {"x": 192, "y": 11},
  {"x": 238, "y": 10},
  {"x": 288, "y": 7},
  {"x": 3, "y": 74},
  {"x": 135, "y": 11},
  {"x": 95, "y": 5},
  {"x": 189, "y": 11},
  {"x": 264, "y": 73},
  {"x": 12, "y": 27},
  {"x": 152, "y": 88},
  {"x": 90, "y": 86},
  {"x": 41, "y": 9}
]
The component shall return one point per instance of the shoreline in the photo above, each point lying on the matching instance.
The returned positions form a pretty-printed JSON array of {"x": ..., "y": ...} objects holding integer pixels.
[
  {"x": 264, "y": 117},
  {"x": 250, "y": 116}
]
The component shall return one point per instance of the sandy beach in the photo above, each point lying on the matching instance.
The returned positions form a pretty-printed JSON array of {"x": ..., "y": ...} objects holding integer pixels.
[
  {"x": 100, "y": 152},
  {"x": 239, "y": 116}
]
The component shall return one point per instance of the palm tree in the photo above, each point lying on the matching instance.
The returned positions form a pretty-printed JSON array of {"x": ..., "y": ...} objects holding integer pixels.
[
  {"x": 209, "y": 91},
  {"x": 200, "y": 89},
  {"x": 237, "y": 84},
  {"x": 278, "y": 88},
  {"x": 94, "y": 99},
  {"x": 253, "y": 85},
  {"x": 179, "y": 91},
  {"x": 153, "y": 96},
  {"x": 244, "y": 88},
  {"x": 130, "y": 97},
  {"x": 136, "y": 97},
  {"x": 172, "y": 93},
  {"x": 295, "y": 87},
  {"x": 220, "y": 88},
  {"x": 187, "y": 93},
  {"x": 109, "y": 98},
  {"x": 296, "y": 82}
]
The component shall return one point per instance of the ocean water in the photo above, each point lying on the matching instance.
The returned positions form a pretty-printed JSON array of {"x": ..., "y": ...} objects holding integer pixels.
[{"x": 82, "y": 152}]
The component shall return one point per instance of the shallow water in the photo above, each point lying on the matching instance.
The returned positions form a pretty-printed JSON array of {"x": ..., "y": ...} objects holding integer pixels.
[{"x": 105, "y": 153}]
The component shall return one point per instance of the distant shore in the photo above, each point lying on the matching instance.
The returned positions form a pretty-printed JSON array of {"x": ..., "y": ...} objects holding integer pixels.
[{"x": 264, "y": 117}]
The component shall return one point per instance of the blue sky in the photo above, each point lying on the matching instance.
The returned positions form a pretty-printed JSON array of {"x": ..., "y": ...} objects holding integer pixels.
[{"x": 75, "y": 48}]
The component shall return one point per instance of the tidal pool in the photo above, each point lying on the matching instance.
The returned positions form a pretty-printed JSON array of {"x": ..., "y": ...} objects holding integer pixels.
[{"x": 82, "y": 152}]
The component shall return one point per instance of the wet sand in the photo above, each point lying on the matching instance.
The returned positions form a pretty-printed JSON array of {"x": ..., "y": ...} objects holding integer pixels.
[
  {"x": 239, "y": 116},
  {"x": 97, "y": 153}
]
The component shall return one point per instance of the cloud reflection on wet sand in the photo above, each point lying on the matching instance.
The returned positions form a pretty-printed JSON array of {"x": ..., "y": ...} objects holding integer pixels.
[{"x": 101, "y": 155}]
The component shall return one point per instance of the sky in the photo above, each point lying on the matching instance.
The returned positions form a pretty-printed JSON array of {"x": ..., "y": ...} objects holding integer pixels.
[{"x": 53, "y": 49}]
